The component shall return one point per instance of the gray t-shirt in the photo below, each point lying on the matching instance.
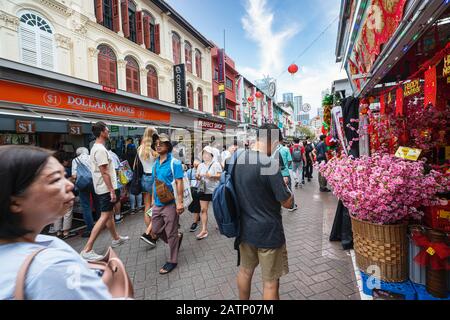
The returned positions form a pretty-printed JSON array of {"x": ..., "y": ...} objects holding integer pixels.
[{"x": 260, "y": 192}]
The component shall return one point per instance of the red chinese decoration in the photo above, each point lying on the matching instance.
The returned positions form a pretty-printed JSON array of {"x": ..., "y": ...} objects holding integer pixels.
[
  {"x": 258, "y": 95},
  {"x": 432, "y": 254},
  {"x": 430, "y": 86},
  {"x": 250, "y": 99},
  {"x": 293, "y": 69},
  {"x": 382, "y": 105},
  {"x": 399, "y": 102}
]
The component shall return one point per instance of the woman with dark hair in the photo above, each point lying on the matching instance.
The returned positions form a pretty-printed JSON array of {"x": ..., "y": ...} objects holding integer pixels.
[{"x": 34, "y": 193}]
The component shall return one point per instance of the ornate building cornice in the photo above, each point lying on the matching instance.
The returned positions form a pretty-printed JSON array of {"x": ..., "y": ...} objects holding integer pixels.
[
  {"x": 63, "y": 41},
  {"x": 9, "y": 21},
  {"x": 93, "y": 52},
  {"x": 58, "y": 6},
  {"x": 121, "y": 63}
]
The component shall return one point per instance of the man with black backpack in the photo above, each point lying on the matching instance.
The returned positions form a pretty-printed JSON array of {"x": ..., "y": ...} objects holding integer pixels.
[
  {"x": 261, "y": 192},
  {"x": 298, "y": 159},
  {"x": 308, "y": 165}
]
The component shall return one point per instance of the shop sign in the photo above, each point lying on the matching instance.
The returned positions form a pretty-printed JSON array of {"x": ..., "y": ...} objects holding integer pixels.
[
  {"x": 180, "y": 85},
  {"x": 221, "y": 65},
  {"x": 23, "y": 126},
  {"x": 207, "y": 125},
  {"x": 108, "y": 89},
  {"x": 411, "y": 88},
  {"x": 408, "y": 153},
  {"x": 114, "y": 129},
  {"x": 446, "y": 70},
  {"x": 26, "y": 94},
  {"x": 221, "y": 88},
  {"x": 75, "y": 129}
]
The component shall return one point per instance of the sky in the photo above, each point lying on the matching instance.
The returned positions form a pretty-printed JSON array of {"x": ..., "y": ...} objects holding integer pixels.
[{"x": 264, "y": 37}]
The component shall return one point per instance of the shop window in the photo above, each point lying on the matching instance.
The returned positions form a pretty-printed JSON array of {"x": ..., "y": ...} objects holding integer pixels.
[
  {"x": 230, "y": 114},
  {"x": 151, "y": 34},
  {"x": 36, "y": 41},
  {"x": 132, "y": 75},
  {"x": 107, "y": 67},
  {"x": 152, "y": 83},
  {"x": 200, "y": 99},
  {"x": 216, "y": 74},
  {"x": 129, "y": 26},
  {"x": 198, "y": 63},
  {"x": 229, "y": 84},
  {"x": 188, "y": 56},
  {"x": 190, "y": 96},
  {"x": 176, "y": 48}
]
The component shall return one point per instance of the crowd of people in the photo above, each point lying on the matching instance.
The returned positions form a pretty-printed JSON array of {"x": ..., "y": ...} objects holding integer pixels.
[{"x": 157, "y": 181}]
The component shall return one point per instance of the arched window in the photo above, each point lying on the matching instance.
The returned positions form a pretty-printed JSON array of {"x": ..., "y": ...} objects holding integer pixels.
[
  {"x": 129, "y": 26},
  {"x": 132, "y": 75},
  {"x": 190, "y": 96},
  {"x": 36, "y": 41},
  {"x": 107, "y": 67},
  {"x": 176, "y": 48},
  {"x": 198, "y": 63},
  {"x": 200, "y": 99},
  {"x": 152, "y": 83},
  {"x": 188, "y": 56}
]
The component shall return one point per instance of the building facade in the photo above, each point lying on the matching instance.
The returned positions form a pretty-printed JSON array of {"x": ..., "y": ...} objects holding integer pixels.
[{"x": 298, "y": 108}]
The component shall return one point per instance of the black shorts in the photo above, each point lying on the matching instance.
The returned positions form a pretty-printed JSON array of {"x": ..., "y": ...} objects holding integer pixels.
[
  {"x": 194, "y": 207},
  {"x": 205, "y": 197},
  {"x": 105, "y": 201}
]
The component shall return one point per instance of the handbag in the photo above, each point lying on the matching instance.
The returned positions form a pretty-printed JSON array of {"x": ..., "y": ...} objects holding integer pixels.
[
  {"x": 136, "y": 182},
  {"x": 125, "y": 174},
  {"x": 111, "y": 269},
  {"x": 202, "y": 183},
  {"x": 163, "y": 191}
]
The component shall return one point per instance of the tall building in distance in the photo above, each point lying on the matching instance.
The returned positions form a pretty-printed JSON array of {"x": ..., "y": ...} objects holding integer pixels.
[
  {"x": 298, "y": 103},
  {"x": 288, "y": 98}
]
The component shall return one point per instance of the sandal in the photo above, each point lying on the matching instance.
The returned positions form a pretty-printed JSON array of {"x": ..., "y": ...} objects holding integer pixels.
[
  {"x": 204, "y": 236},
  {"x": 180, "y": 236},
  {"x": 168, "y": 268}
]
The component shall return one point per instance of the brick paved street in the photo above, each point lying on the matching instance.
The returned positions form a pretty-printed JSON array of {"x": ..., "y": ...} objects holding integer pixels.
[{"x": 207, "y": 269}]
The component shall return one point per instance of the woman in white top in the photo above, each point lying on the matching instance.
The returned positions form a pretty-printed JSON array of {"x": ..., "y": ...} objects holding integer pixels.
[
  {"x": 208, "y": 173},
  {"x": 147, "y": 155}
]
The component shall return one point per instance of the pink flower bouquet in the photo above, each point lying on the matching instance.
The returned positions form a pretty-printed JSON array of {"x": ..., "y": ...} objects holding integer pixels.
[{"x": 383, "y": 189}]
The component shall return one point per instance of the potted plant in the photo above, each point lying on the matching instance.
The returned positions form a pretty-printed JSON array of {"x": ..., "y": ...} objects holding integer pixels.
[{"x": 383, "y": 193}]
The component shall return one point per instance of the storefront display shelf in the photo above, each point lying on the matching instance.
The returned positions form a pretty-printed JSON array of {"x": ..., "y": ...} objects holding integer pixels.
[{"x": 405, "y": 289}]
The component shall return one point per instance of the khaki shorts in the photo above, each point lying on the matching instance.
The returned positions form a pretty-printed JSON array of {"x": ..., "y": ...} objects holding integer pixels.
[{"x": 274, "y": 262}]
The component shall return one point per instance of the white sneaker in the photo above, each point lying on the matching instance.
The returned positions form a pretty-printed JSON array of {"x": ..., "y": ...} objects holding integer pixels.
[
  {"x": 91, "y": 256},
  {"x": 121, "y": 241},
  {"x": 293, "y": 209}
]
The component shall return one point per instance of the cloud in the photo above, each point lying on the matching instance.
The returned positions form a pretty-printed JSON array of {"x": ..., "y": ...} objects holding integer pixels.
[{"x": 258, "y": 25}]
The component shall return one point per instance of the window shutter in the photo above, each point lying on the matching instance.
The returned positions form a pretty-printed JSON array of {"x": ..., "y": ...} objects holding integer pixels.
[
  {"x": 200, "y": 100},
  {"x": 99, "y": 10},
  {"x": 112, "y": 74},
  {"x": 103, "y": 70},
  {"x": 125, "y": 19},
  {"x": 139, "y": 32},
  {"x": 136, "y": 88},
  {"x": 29, "y": 45},
  {"x": 188, "y": 57},
  {"x": 157, "y": 40},
  {"x": 129, "y": 80},
  {"x": 116, "y": 16},
  {"x": 198, "y": 65},
  {"x": 147, "y": 32},
  {"x": 47, "y": 52}
]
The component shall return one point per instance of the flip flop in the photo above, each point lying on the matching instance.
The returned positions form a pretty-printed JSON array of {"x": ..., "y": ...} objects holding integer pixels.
[
  {"x": 203, "y": 237},
  {"x": 180, "y": 235},
  {"x": 168, "y": 268}
]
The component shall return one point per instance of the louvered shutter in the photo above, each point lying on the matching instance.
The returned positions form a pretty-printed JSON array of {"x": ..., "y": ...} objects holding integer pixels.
[
  {"x": 29, "y": 45},
  {"x": 136, "y": 88},
  {"x": 116, "y": 16},
  {"x": 112, "y": 74},
  {"x": 129, "y": 79},
  {"x": 157, "y": 40},
  {"x": 103, "y": 70},
  {"x": 139, "y": 33},
  {"x": 147, "y": 32},
  {"x": 47, "y": 52},
  {"x": 99, "y": 11},
  {"x": 125, "y": 19}
]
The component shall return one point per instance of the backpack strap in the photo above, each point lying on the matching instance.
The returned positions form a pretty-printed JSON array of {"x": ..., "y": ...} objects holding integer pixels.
[
  {"x": 232, "y": 169},
  {"x": 19, "y": 292}
]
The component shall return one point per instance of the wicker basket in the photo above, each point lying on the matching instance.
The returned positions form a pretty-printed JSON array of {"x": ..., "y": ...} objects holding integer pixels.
[{"x": 384, "y": 246}]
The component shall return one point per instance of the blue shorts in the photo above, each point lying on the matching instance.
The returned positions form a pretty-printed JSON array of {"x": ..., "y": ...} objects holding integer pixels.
[{"x": 147, "y": 183}]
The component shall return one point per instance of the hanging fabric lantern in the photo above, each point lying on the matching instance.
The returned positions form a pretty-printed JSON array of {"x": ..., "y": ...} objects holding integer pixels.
[
  {"x": 250, "y": 99},
  {"x": 293, "y": 69},
  {"x": 258, "y": 95}
]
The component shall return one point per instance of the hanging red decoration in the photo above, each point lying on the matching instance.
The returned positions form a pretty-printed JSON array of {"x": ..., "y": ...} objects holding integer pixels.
[
  {"x": 250, "y": 99},
  {"x": 399, "y": 102},
  {"x": 293, "y": 69},
  {"x": 434, "y": 255},
  {"x": 430, "y": 87},
  {"x": 382, "y": 105},
  {"x": 258, "y": 95}
]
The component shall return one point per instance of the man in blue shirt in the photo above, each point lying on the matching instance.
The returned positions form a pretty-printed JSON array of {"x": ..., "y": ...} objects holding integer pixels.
[
  {"x": 284, "y": 155},
  {"x": 166, "y": 214},
  {"x": 321, "y": 150}
]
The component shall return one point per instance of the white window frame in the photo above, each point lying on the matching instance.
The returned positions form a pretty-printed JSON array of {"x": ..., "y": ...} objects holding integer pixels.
[{"x": 38, "y": 32}]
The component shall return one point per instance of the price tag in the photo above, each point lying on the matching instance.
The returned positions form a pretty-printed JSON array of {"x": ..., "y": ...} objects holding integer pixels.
[
  {"x": 408, "y": 153},
  {"x": 444, "y": 214},
  {"x": 431, "y": 251}
]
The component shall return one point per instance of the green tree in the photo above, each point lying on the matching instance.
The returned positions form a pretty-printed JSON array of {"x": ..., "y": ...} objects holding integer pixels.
[{"x": 303, "y": 132}]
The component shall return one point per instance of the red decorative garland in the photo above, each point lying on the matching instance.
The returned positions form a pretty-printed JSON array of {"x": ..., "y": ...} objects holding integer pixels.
[{"x": 433, "y": 254}]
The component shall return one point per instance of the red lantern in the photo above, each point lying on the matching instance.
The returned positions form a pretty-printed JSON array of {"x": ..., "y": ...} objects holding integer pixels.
[
  {"x": 259, "y": 95},
  {"x": 293, "y": 68},
  {"x": 250, "y": 99}
]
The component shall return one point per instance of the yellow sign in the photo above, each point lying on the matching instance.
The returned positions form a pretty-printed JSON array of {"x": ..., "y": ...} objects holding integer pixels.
[
  {"x": 447, "y": 153},
  {"x": 221, "y": 88},
  {"x": 446, "y": 69},
  {"x": 411, "y": 88},
  {"x": 408, "y": 153},
  {"x": 222, "y": 114},
  {"x": 431, "y": 251},
  {"x": 444, "y": 214}
]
